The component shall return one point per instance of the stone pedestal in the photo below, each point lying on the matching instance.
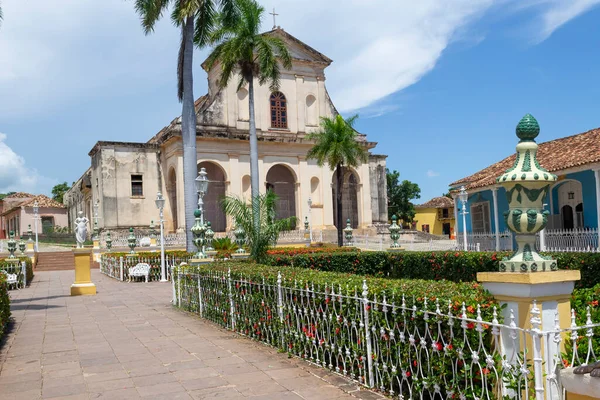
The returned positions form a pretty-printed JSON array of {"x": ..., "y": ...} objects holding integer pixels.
[
  {"x": 96, "y": 244},
  {"x": 580, "y": 387},
  {"x": 552, "y": 291},
  {"x": 240, "y": 256},
  {"x": 83, "y": 284},
  {"x": 200, "y": 261},
  {"x": 96, "y": 254},
  {"x": 153, "y": 242},
  {"x": 30, "y": 247}
]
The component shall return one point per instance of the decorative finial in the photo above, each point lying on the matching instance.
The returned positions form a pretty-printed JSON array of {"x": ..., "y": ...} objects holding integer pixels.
[
  {"x": 528, "y": 128},
  {"x": 197, "y": 213}
]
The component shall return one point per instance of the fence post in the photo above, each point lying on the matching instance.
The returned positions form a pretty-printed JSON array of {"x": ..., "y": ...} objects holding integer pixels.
[
  {"x": 121, "y": 268},
  {"x": 200, "y": 305},
  {"x": 24, "y": 272},
  {"x": 366, "y": 307},
  {"x": 174, "y": 300},
  {"x": 178, "y": 288},
  {"x": 231, "y": 308},
  {"x": 478, "y": 246},
  {"x": 536, "y": 336},
  {"x": 280, "y": 308}
]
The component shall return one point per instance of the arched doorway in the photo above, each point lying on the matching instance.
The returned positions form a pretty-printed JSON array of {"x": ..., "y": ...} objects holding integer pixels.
[
  {"x": 567, "y": 217},
  {"x": 349, "y": 198},
  {"x": 172, "y": 194},
  {"x": 213, "y": 211},
  {"x": 283, "y": 183}
]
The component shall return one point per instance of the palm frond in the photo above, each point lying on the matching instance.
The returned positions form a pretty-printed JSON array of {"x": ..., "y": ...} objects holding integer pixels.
[
  {"x": 206, "y": 17},
  {"x": 150, "y": 12}
]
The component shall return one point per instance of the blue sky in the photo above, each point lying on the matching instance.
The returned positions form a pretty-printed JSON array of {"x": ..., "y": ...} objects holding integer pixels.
[{"x": 440, "y": 85}]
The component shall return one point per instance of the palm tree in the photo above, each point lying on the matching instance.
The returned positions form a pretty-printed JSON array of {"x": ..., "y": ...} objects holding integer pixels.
[
  {"x": 336, "y": 145},
  {"x": 196, "y": 20},
  {"x": 1, "y": 14},
  {"x": 240, "y": 48},
  {"x": 259, "y": 240}
]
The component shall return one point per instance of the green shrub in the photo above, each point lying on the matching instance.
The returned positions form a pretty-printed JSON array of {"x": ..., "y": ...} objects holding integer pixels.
[
  {"x": 580, "y": 301},
  {"x": 455, "y": 266},
  {"x": 4, "y": 305}
]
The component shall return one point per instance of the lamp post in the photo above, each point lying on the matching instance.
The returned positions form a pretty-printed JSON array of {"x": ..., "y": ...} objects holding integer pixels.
[
  {"x": 36, "y": 210},
  {"x": 160, "y": 204},
  {"x": 201, "y": 188},
  {"x": 464, "y": 196},
  {"x": 310, "y": 218}
]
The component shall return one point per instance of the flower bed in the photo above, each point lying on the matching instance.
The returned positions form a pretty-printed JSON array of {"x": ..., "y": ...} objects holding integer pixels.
[
  {"x": 449, "y": 265},
  {"x": 400, "y": 336},
  {"x": 4, "y": 305},
  {"x": 293, "y": 251},
  {"x": 582, "y": 302}
]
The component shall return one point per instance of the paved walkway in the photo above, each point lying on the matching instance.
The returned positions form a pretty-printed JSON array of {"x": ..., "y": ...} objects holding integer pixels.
[{"x": 128, "y": 342}]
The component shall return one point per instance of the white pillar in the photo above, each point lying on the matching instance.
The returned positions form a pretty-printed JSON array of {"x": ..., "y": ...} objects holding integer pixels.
[
  {"x": 597, "y": 176},
  {"x": 496, "y": 229}
]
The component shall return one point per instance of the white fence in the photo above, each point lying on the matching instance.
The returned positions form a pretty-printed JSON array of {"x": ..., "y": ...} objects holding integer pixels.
[
  {"x": 414, "y": 349},
  {"x": 118, "y": 268},
  {"x": 573, "y": 240}
]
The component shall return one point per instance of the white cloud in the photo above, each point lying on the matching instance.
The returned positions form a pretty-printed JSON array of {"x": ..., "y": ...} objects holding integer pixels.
[
  {"x": 432, "y": 174},
  {"x": 559, "y": 12},
  {"x": 66, "y": 51},
  {"x": 15, "y": 176}
]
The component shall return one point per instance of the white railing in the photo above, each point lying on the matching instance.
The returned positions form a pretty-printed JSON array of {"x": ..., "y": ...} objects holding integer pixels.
[
  {"x": 403, "y": 347},
  {"x": 118, "y": 267},
  {"x": 584, "y": 240},
  {"x": 485, "y": 241}
]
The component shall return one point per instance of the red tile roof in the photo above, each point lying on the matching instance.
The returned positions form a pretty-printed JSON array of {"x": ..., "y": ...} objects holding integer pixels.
[
  {"x": 438, "y": 202},
  {"x": 555, "y": 156},
  {"x": 43, "y": 202}
]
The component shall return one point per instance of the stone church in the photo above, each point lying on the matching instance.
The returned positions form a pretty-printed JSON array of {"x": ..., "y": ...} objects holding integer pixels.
[{"x": 124, "y": 177}]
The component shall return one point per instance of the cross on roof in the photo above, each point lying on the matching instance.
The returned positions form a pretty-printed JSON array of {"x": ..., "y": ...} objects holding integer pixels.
[{"x": 274, "y": 14}]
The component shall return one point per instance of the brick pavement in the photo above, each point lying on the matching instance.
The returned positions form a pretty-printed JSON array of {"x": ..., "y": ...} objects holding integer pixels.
[{"x": 128, "y": 342}]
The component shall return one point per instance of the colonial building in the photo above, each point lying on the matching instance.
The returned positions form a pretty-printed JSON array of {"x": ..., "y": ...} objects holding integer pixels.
[
  {"x": 436, "y": 216},
  {"x": 17, "y": 214},
  {"x": 573, "y": 201},
  {"x": 125, "y": 177}
]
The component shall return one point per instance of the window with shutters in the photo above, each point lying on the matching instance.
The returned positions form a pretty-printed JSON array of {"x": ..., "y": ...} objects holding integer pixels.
[
  {"x": 480, "y": 217},
  {"x": 278, "y": 111},
  {"x": 137, "y": 186}
]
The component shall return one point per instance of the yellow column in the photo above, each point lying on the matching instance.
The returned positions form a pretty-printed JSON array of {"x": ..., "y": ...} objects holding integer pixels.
[{"x": 83, "y": 284}]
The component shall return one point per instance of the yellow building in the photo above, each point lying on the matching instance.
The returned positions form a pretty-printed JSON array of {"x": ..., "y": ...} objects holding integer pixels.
[{"x": 436, "y": 216}]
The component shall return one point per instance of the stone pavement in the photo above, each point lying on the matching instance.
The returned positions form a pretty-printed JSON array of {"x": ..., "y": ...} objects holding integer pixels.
[{"x": 128, "y": 342}]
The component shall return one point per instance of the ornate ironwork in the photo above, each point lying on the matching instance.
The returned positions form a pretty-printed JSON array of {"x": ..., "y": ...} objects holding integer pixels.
[
  {"x": 131, "y": 241},
  {"x": 394, "y": 233},
  {"x": 348, "y": 233},
  {"x": 11, "y": 244}
]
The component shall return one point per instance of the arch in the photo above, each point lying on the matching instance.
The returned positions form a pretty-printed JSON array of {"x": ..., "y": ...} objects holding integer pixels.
[
  {"x": 278, "y": 106},
  {"x": 312, "y": 117},
  {"x": 350, "y": 187},
  {"x": 172, "y": 195},
  {"x": 246, "y": 186},
  {"x": 213, "y": 211},
  {"x": 243, "y": 105},
  {"x": 282, "y": 181},
  {"x": 315, "y": 190},
  {"x": 570, "y": 193}
]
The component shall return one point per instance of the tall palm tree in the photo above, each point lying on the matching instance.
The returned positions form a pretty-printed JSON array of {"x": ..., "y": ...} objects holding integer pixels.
[
  {"x": 196, "y": 19},
  {"x": 336, "y": 145},
  {"x": 240, "y": 48},
  {"x": 1, "y": 13}
]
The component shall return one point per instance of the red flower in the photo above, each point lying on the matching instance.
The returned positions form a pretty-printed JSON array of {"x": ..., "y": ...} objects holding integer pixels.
[
  {"x": 594, "y": 303},
  {"x": 438, "y": 346},
  {"x": 470, "y": 325},
  {"x": 456, "y": 254},
  {"x": 415, "y": 363},
  {"x": 449, "y": 347},
  {"x": 407, "y": 374}
]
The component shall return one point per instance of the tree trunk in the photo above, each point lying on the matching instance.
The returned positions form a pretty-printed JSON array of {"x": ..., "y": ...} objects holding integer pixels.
[
  {"x": 254, "y": 181},
  {"x": 188, "y": 133},
  {"x": 340, "y": 225}
]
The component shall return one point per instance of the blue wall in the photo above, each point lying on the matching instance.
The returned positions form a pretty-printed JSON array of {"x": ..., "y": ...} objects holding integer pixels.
[{"x": 588, "y": 184}]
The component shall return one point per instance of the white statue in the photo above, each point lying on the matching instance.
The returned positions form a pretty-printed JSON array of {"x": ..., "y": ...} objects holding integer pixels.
[{"x": 81, "y": 229}]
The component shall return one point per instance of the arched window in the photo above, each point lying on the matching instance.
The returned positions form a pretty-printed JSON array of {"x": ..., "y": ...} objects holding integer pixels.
[
  {"x": 278, "y": 110},
  {"x": 311, "y": 111}
]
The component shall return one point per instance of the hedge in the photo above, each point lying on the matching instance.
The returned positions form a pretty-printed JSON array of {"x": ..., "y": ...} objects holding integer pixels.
[
  {"x": 4, "y": 305},
  {"x": 292, "y": 251},
  {"x": 327, "y": 329},
  {"x": 454, "y": 266}
]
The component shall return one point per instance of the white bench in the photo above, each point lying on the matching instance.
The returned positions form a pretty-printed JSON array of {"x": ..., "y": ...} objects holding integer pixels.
[
  {"x": 139, "y": 271},
  {"x": 11, "y": 279}
]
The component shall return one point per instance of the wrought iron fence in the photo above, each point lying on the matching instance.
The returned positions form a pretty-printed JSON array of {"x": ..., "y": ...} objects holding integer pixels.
[
  {"x": 485, "y": 241},
  {"x": 427, "y": 349},
  {"x": 18, "y": 268},
  {"x": 118, "y": 267}
]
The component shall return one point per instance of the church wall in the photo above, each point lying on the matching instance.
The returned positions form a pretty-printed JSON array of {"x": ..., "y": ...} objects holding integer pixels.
[
  {"x": 378, "y": 183},
  {"x": 114, "y": 166}
]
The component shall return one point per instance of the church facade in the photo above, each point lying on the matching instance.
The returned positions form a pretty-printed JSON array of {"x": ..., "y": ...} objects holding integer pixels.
[{"x": 124, "y": 177}]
